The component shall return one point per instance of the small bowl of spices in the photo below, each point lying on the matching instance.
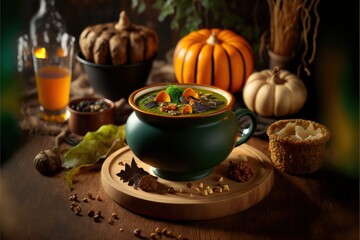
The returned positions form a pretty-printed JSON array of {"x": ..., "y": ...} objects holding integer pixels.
[{"x": 88, "y": 114}]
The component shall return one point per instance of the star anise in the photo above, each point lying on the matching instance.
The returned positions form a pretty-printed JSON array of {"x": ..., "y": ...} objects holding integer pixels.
[
  {"x": 132, "y": 174},
  {"x": 240, "y": 171},
  {"x": 138, "y": 177}
]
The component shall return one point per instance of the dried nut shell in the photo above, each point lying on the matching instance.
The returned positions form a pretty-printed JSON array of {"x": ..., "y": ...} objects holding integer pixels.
[
  {"x": 188, "y": 93},
  {"x": 162, "y": 97},
  {"x": 47, "y": 162},
  {"x": 148, "y": 183}
]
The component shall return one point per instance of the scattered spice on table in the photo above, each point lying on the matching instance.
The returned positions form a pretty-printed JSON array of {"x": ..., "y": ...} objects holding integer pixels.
[
  {"x": 140, "y": 179},
  {"x": 96, "y": 216}
]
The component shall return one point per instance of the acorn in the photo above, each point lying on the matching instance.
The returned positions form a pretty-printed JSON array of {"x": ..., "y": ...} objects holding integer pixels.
[{"x": 47, "y": 162}]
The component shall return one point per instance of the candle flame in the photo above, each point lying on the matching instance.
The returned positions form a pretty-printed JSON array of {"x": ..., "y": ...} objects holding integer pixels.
[{"x": 40, "y": 53}]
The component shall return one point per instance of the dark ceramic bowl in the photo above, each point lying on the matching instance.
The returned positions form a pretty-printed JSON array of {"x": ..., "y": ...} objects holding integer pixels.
[
  {"x": 83, "y": 122},
  {"x": 185, "y": 147},
  {"x": 115, "y": 82}
]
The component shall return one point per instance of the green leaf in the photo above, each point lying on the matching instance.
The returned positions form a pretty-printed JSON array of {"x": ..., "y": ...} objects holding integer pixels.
[
  {"x": 158, "y": 4},
  {"x": 141, "y": 7},
  {"x": 69, "y": 175},
  {"x": 192, "y": 24},
  {"x": 166, "y": 10},
  {"x": 134, "y": 3},
  {"x": 138, "y": 5},
  {"x": 94, "y": 147},
  {"x": 174, "y": 25},
  {"x": 207, "y": 4}
]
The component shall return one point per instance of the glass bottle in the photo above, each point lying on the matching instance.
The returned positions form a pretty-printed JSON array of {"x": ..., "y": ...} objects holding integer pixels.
[{"x": 47, "y": 25}]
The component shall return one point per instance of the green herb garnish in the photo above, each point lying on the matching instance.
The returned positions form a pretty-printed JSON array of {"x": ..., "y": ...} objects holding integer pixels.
[{"x": 175, "y": 93}]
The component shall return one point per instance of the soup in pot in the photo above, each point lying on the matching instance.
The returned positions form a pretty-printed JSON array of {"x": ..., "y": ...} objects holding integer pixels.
[{"x": 176, "y": 101}]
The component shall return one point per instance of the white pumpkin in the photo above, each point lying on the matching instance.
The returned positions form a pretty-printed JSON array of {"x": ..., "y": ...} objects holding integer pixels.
[{"x": 274, "y": 93}]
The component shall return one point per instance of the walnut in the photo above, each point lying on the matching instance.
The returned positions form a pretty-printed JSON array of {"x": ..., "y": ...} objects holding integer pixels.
[
  {"x": 148, "y": 183},
  {"x": 47, "y": 162},
  {"x": 240, "y": 171}
]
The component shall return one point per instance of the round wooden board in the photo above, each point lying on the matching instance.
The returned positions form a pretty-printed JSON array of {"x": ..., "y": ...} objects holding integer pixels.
[{"x": 190, "y": 205}]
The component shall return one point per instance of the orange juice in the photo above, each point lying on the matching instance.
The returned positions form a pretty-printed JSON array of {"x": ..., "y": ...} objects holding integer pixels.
[{"x": 53, "y": 84}]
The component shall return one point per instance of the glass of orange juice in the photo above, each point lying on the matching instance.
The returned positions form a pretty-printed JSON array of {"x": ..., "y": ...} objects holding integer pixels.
[{"x": 53, "y": 68}]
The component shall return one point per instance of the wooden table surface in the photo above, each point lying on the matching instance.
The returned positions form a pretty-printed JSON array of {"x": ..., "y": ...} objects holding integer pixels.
[{"x": 324, "y": 205}]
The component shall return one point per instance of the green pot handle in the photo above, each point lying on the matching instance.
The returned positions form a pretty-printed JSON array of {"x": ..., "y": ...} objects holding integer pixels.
[{"x": 247, "y": 132}]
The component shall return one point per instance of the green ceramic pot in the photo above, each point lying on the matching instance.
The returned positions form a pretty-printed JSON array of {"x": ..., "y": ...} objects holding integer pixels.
[{"x": 187, "y": 147}]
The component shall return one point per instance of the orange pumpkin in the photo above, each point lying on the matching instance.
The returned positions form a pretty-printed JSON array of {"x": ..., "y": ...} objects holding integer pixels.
[{"x": 215, "y": 57}]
